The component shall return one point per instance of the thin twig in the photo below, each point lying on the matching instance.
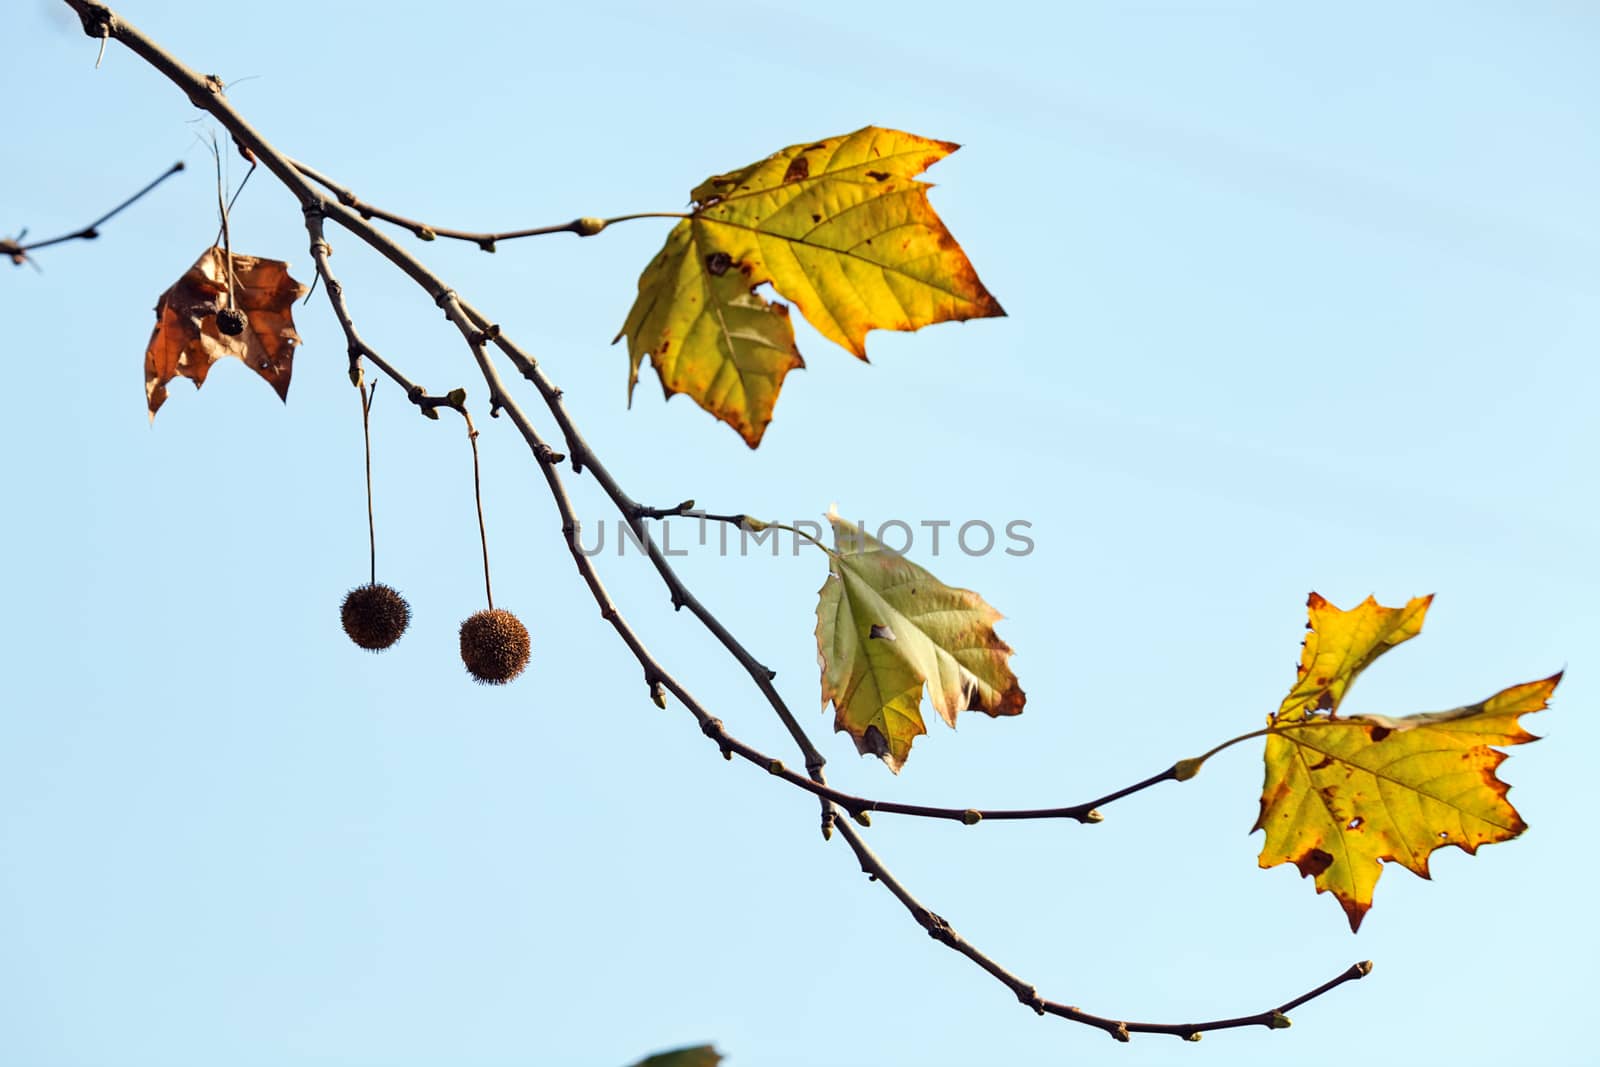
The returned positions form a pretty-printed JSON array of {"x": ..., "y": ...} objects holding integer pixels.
[
  {"x": 19, "y": 252},
  {"x": 587, "y": 226},
  {"x": 477, "y": 330},
  {"x": 357, "y": 348}
]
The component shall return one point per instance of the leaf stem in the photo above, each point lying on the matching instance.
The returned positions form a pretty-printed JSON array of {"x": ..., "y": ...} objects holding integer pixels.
[
  {"x": 222, "y": 212},
  {"x": 747, "y": 523},
  {"x": 234, "y": 199}
]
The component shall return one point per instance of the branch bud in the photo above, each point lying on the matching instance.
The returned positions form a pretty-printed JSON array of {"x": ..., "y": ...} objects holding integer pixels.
[
  {"x": 588, "y": 226},
  {"x": 1278, "y": 1021},
  {"x": 861, "y": 817},
  {"x": 971, "y": 817},
  {"x": 1186, "y": 769}
]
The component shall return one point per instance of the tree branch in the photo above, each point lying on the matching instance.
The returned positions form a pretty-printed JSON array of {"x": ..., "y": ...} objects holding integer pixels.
[
  {"x": 941, "y": 931},
  {"x": 587, "y": 226},
  {"x": 13, "y": 246},
  {"x": 355, "y": 346},
  {"x": 479, "y": 332}
]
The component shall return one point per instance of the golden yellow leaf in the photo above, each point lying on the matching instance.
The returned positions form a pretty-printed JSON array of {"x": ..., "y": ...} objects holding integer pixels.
[
  {"x": 886, "y": 628},
  {"x": 186, "y": 340},
  {"x": 840, "y": 227},
  {"x": 1345, "y": 794},
  {"x": 1342, "y": 644}
]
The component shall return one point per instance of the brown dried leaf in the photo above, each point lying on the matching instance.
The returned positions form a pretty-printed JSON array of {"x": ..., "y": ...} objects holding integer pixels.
[{"x": 186, "y": 340}]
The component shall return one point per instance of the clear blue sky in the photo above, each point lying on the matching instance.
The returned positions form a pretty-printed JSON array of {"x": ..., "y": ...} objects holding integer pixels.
[{"x": 1297, "y": 301}]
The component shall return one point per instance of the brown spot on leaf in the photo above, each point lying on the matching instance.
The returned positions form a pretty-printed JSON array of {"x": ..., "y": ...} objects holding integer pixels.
[
  {"x": 819, "y": 146},
  {"x": 1325, "y": 761},
  {"x": 878, "y": 175},
  {"x": 718, "y": 263},
  {"x": 1378, "y": 733},
  {"x": 879, "y": 632},
  {"x": 1314, "y": 863},
  {"x": 799, "y": 168},
  {"x": 815, "y": 217}
]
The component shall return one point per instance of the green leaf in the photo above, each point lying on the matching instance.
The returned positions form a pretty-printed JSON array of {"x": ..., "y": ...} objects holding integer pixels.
[
  {"x": 697, "y": 1056},
  {"x": 885, "y": 629}
]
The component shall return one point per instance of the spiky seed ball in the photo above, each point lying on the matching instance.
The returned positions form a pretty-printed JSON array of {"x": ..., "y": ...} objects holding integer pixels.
[
  {"x": 375, "y": 616},
  {"x": 494, "y": 646},
  {"x": 230, "y": 321}
]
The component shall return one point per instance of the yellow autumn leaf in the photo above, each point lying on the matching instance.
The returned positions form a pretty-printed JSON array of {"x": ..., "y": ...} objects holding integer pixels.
[
  {"x": 839, "y": 227},
  {"x": 1342, "y": 644},
  {"x": 1345, "y": 794},
  {"x": 885, "y": 629}
]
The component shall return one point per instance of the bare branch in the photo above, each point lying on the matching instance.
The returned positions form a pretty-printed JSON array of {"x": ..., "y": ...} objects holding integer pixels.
[
  {"x": 1121, "y": 1029},
  {"x": 355, "y": 346},
  {"x": 587, "y": 226},
  {"x": 13, "y": 246}
]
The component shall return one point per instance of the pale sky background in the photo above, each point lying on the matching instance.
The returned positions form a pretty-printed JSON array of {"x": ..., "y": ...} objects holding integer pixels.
[{"x": 1297, "y": 301}]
